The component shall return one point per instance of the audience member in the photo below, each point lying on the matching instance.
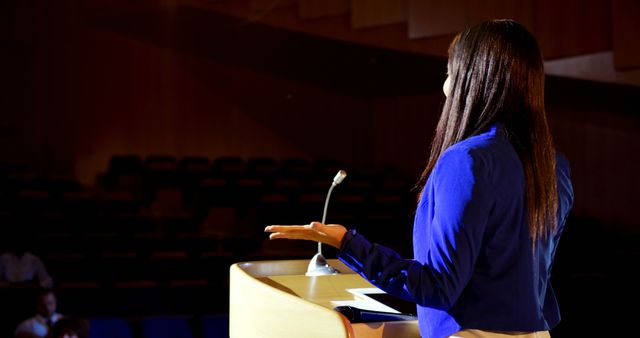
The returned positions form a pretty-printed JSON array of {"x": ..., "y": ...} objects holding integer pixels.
[
  {"x": 18, "y": 266},
  {"x": 46, "y": 316},
  {"x": 70, "y": 327}
]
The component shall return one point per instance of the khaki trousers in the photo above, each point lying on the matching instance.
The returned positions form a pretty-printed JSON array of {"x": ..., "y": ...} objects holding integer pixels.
[{"x": 495, "y": 334}]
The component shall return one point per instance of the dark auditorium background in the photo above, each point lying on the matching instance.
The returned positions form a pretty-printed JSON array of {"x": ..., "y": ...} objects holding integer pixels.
[{"x": 145, "y": 144}]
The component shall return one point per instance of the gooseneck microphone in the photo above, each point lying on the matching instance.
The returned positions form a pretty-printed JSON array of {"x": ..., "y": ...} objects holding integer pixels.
[
  {"x": 318, "y": 265},
  {"x": 356, "y": 315}
]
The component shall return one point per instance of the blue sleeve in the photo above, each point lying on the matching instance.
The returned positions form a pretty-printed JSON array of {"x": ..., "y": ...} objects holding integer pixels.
[
  {"x": 565, "y": 191},
  {"x": 565, "y": 200},
  {"x": 450, "y": 235}
]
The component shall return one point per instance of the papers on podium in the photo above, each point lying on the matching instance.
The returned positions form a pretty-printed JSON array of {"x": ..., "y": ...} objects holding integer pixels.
[{"x": 364, "y": 302}]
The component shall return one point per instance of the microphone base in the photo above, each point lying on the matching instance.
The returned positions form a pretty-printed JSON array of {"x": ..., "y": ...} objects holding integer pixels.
[
  {"x": 322, "y": 271},
  {"x": 318, "y": 267}
]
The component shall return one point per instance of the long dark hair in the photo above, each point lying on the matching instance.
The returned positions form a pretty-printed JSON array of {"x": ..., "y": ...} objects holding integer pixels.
[{"x": 497, "y": 75}]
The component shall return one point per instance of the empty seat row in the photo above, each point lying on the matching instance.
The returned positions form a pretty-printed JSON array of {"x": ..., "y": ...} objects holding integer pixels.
[
  {"x": 206, "y": 326},
  {"x": 120, "y": 164},
  {"x": 174, "y": 202},
  {"x": 112, "y": 267}
]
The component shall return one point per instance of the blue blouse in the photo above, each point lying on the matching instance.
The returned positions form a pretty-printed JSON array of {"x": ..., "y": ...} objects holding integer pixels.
[{"x": 474, "y": 266}]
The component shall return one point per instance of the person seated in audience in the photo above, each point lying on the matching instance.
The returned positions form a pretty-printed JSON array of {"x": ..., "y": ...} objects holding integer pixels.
[
  {"x": 46, "y": 316},
  {"x": 70, "y": 327},
  {"x": 19, "y": 267}
]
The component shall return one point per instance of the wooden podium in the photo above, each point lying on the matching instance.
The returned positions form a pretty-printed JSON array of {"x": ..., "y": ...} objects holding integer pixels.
[{"x": 276, "y": 299}]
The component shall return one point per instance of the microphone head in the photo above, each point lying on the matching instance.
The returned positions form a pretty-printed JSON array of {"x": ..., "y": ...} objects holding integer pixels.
[{"x": 339, "y": 177}]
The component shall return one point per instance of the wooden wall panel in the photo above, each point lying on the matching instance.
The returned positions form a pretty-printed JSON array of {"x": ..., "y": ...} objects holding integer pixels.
[
  {"x": 265, "y": 5},
  {"x": 626, "y": 33},
  {"x": 437, "y": 17},
  {"x": 604, "y": 175},
  {"x": 372, "y": 13},
  {"x": 521, "y": 11},
  {"x": 309, "y": 9},
  {"x": 337, "y": 27},
  {"x": 572, "y": 27},
  {"x": 404, "y": 125}
]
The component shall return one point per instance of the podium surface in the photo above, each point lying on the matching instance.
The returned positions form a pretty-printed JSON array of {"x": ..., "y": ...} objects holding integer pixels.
[{"x": 276, "y": 299}]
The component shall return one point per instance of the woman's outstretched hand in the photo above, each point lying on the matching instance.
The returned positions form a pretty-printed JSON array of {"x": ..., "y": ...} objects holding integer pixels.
[{"x": 331, "y": 234}]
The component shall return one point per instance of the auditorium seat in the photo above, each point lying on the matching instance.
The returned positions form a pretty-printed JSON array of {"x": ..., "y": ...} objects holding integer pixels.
[
  {"x": 394, "y": 185},
  {"x": 262, "y": 167},
  {"x": 247, "y": 191},
  {"x": 124, "y": 173},
  {"x": 96, "y": 241},
  {"x": 80, "y": 203},
  {"x": 58, "y": 185},
  {"x": 214, "y": 192},
  {"x": 233, "y": 230},
  {"x": 24, "y": 181},
  {"x": 215, "y": 325},
  {"x": 291, "y": 187},
  {"x": 161, "y": 171},
  {"x": 163, "y": 161},
  {"x": 167, "y": 202},
  {"x": 12, "y": 167},
  {"x": 165, "y": 327},
  {"x": 195, "y": 163},
  {"x": 68, "y": 265},
  {"x": 319, "y": 185},
  {"x": 229, "y": 167},
  {"x": 324, "y": 167},
  {"x": 275, "y": 209},
  {"x": 351, "y": 203},
  {"x": 134, "y": 225},
  {"x": 310, "y": 206},
  {"x": 124, "y": 164},
  {"x": 53, "y": 240},
  {"x": 221, "y": 221},
  {"x": 298, "y": 168},
  {"x": 192, "y": 170},
  {"x": 192, "y": 296},
  {"x": 116, "y": 266},
  {"x": 164, "y": 265},
  {"x": 179, "y": 224},
  {"x": 115, "y": 203},
  {"x": 377, "y": 222},
  {"x": 215, "y": 266},
  {"x": 285, "y": 249},
  {"x": 360, "y": 184},
  {"x": 33, "y": 202},
  {"x": 109, "y": 327},
  {"x": 135, "y": 298},
  {"x": 387, "y": 201},
  {"x": 84, "y": 298},
  {"x": 195, "y": 243}
]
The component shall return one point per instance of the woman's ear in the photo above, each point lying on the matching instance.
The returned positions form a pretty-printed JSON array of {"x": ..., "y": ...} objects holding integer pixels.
[{"x": 446, "y": 87}]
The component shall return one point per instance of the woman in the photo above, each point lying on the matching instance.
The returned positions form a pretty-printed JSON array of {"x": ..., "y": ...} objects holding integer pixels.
[{"x": 494, "y": 199}]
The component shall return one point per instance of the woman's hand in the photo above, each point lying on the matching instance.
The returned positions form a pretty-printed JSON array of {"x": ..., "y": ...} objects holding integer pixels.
[{"x": 331, "y": 234}]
